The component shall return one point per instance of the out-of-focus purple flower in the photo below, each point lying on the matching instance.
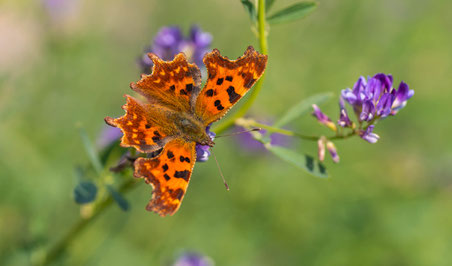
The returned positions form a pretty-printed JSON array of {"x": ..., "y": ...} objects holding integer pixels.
[
  {"x": 376, "y": 98},
  {"x": 170, "y": 41},
  {"x": 193, "y": 259},
  {"x": 108, "y": 136},
  {"x": 248, "y": 143},
  {"x": 344, "y": 120},
  {"x": 200, "y": 44},
  {"x": 368, "y": 134},
  {"x": 61, "y": 9},
  {"x": 203, "y": 151},
  {"x": 321, "y": 148},
  {"x": 323, "y": 118},
  {"x": 333, "y": 152}
]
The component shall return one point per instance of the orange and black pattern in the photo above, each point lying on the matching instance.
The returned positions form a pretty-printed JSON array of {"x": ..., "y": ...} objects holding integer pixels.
[
  {"x": 228, "y": 82},
  {"x": 173, "y": 99},
  {"x": 139, "y": 130},
  {"x": 168, "y": 174},
  {"x": 173, "y": 84}
]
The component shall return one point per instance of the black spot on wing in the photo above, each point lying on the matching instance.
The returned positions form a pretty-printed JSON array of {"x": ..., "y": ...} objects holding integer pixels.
[
  {"x": 229, "y": 78},
  {"x": 172, "y": 88},
  {"x": 189, "y": 87},
  {"x": 219, "y": 81},
  {"x": 170, "y": 154},
  {"x": 217, "y": 103},
  {"x": 182, "y": 174},
  {"x": 233, "y": 96},
  {"x": 167, "y": 177},
  {"x": 184, "y": 159},
  {"x": 209, "y": 93},
  {"x": 165, "y": 167}
]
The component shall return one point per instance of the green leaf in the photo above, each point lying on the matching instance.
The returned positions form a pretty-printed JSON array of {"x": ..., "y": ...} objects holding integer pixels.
[
  {"x": 91, "y": 151},
  {"x": 301, "y": 108},
  {"x": 120, "y": 200},
  {"x": 302, "y": 161},
  {"x": 249, "y": 6},
  {"x": 293, "y": 12},
  {"x": 268, "y": 5},
  {"x": 79, "y": 173},
  {"x": 85, "y": 192}
]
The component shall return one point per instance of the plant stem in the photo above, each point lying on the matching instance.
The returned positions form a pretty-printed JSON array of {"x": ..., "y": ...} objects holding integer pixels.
[
  {"x": 261, "y": 25},
  {"x": 58, "y": 249},
  {"x": 283, "y": 131},
  {"x": 249, "y": 123}
]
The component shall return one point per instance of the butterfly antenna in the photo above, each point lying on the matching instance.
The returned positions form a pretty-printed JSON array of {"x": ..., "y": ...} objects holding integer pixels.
[
  {"x": 219, "y": 169},
  {"x": 240, "y": 132}
]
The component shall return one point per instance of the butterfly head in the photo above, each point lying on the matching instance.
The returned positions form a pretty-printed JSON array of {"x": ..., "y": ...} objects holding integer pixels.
[{"x": 208, "y": 142}]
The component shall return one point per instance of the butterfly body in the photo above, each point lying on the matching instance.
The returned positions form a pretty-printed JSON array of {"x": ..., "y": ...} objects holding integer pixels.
[
  {"x": 191, "y": 128},
  {"x": 174, "y": 115}
]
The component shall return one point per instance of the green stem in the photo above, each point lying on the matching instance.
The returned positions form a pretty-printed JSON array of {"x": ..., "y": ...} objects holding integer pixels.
[
  {"x": 282, "y": 131},
  {"x": 249, "y": 123},
  {"x": 58, "y": 249},
  {"x": 261, "y": 25}
]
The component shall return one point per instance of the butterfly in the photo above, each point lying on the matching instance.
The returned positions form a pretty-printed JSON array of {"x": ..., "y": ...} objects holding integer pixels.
[{"x": 173, "y": 114}]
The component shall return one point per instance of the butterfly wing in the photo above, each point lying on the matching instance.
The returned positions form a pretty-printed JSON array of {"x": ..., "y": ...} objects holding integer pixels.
[
  {"x": 141, "y": 126},
  {"x": 168, "y": 174},
  {"x": 174, "y": 84},
  {"x": 169, "y": 90},
  {"x": 228, "y": 82}
]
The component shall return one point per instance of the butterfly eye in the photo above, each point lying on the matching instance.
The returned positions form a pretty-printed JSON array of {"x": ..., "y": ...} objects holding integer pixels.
[{"x": 185, "y": 122}]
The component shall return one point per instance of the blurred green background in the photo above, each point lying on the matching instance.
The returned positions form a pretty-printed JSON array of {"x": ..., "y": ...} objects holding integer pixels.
[{"x": 385, "y": 204}]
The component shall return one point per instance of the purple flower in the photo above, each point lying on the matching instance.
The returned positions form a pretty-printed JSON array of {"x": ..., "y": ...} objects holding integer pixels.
[
  {"x": 248, "y": 143},
  {"x": 108, "y": 136},
  {"x": 324, "y": 142},
  {"x": 376, "y": 98},
  {"x": 60, "y": 10},
  {"x": 344, "y": 120},
  {"x": 368, "y": 136},
  {"x": 323, "y": 118},
  {"x": 332, "y": 150},
  {"x": 402, "y": 95},
  {"x": 170, "y": 41},
  {"x": 200, "y": 44},
  {"x": 203, "y": 151},
  {"x": 193, "y": 259}
]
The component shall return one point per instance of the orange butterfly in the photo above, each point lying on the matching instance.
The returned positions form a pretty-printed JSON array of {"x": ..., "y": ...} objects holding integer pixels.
[{"x": 174, "y": 116}]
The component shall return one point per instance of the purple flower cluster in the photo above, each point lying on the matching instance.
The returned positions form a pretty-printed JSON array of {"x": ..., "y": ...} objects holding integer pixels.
[
  {"x": 372, "y": 99},
  {"x": 375, "y": 99},
  {"x": 170, "y": 41},
  {"x": 203, "y": 151}
]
